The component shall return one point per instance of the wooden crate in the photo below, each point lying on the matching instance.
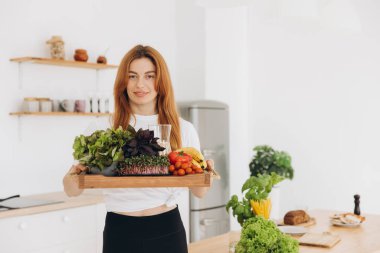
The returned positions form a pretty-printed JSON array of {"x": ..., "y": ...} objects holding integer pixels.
[{"x": 100, "y": 181}]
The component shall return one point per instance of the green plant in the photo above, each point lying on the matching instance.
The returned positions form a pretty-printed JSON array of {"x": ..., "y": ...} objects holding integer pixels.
[
  {"x": 145, "y": 160},
  {"x": 262, "y": 236},
  {"x": 267, "y": 160},
  {"x": 255, "y": 188},
  {"x": 102, "y": 148},
  {"x": 144, "y": 165}
]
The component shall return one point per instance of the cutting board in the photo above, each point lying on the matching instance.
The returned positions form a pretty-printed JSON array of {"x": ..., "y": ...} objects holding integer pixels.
[
  {"x": 21, "y": 202},
  {"x": 325, "y": 240}
]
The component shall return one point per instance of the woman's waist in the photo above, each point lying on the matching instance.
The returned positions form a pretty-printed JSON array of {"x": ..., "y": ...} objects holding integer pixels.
[
  {"x": 150, "y": 226},
  {"x": 143, "y": 202},
  {"x": 148, "y": 212}
]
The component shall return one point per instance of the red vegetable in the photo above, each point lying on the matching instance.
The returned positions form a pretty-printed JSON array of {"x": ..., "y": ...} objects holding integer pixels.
[{"x": 179, "y": 157}]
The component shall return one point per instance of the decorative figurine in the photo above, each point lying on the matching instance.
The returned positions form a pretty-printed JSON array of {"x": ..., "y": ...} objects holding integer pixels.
[{"x": 102, "y": 58}]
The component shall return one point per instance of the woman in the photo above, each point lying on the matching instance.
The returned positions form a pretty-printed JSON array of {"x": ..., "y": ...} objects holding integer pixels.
[{"x": 144, "y": 219}]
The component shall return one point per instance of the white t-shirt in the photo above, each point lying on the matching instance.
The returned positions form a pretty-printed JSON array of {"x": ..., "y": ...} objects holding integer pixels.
[{"x": 137, "y": 199}]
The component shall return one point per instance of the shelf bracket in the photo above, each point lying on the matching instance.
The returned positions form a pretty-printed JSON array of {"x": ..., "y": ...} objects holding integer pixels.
[
  {"x": 97, "y": 80},
  {"x": 20, "y": 75},
  {"x": 19, "y": 132}
]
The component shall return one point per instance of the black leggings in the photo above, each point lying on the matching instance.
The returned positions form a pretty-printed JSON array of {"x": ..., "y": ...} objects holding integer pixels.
[{"x": 162, "y": 233}]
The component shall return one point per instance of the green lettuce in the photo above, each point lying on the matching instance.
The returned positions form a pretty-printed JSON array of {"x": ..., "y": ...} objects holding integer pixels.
[
  {"x": 259, "y": 235},
  {"x": 102, "y": 148}
]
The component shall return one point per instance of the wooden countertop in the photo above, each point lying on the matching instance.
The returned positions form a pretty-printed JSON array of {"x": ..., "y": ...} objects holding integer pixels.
[
  {"x": 217, "y": 244},
  {"x": 88, "y": 197},
  {"x": 362, "y": 239}
]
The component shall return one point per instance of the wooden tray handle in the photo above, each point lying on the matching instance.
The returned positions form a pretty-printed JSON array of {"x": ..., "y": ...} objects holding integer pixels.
[{"x": 215, "y": 174}]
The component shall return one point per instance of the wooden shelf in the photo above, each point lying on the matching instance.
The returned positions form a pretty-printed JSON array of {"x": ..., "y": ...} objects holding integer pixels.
[
  {"x": 63, "y": 63},
  {"x": 100, "y": 181},
  {"x": 58, "y": 114}
]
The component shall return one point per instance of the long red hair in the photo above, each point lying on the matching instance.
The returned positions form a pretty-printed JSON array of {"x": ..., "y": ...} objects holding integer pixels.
[{"x": 165, "y": 105}]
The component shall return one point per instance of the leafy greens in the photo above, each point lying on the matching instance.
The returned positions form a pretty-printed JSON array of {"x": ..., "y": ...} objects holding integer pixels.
[
  {"x": 262, "y": 236},
  {"x": 102, "y": 148}
]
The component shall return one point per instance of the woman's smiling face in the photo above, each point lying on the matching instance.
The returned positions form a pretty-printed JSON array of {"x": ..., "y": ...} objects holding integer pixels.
[{"x": 141, "y": 84}]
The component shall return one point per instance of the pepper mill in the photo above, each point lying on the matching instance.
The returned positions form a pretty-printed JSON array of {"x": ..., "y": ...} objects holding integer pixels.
[{"x": 357, "y": 203}]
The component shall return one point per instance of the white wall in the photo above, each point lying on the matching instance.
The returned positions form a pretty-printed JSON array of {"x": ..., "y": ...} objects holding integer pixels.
[
  {"x": 190, "y": 53},
  {"x": 312, "y": 91},
  {"x": 315, "y": 77}
]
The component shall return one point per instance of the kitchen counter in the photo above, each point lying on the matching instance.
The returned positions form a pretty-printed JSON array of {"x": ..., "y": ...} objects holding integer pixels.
[
  {"x": 217, "y": 244},
  {"x": 88, "y": 197},
  {"x": 362, "y": 239}
]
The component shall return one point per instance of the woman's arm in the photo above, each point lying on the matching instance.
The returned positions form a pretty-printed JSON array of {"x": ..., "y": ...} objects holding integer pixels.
[
  {"x": 70, "y": 181},
  {"x": 200, "y": 192}
]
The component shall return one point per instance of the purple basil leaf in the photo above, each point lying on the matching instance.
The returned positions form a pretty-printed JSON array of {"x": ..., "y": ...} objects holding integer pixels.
[
  {"x": 157, "y": 147},
  {"x": 151, "y": 135},
  {"x": 147, "y": 150}
]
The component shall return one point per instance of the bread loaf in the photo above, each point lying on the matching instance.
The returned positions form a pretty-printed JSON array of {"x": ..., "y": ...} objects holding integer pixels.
[{"x": 296, "y": 217}]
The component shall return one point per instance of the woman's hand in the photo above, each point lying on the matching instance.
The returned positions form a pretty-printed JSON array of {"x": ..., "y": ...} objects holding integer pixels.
[
  {"x": 71, "y": 180},
  {"x": 210, "y": 165},
  {"x": 200, "y": 192}
]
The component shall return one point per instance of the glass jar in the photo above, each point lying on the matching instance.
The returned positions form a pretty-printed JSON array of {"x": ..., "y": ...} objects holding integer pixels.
[
  {"x": 57, "y": 50},
  {"x": 31, "y": 105},
  {"x": 162, "y": 132}
]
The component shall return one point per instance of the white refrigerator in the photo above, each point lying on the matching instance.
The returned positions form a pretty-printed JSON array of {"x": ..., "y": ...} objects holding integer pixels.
[{"x": 208, "y": 216}]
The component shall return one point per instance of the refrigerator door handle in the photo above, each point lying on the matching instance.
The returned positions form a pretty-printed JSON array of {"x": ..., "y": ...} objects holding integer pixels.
[{"x": 209, "y": 222}]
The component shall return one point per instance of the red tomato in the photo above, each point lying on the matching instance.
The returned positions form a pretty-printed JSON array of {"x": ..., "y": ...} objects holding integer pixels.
[
  {"x": 185, "y": 165},
  {"x": 199, "y": 170},
  {"x": 181, "y": 172},
  {"x": 188, "y": 171},
  {"x": 194, "y": 167},
  {"x": 171, "y": 168},
  {"x": 178, "y": 165}
]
